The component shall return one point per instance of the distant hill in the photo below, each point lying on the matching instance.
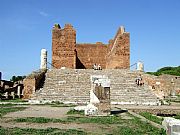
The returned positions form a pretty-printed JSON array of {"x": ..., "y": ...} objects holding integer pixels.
[{"x": 167, "y": 70}]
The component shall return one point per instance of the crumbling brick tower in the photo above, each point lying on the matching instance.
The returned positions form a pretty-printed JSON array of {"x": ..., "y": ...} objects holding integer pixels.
[
  {"x": 118, "y": 52},
  {"x": 63, "y": 46},
  {"x": 66, "y": 53}
]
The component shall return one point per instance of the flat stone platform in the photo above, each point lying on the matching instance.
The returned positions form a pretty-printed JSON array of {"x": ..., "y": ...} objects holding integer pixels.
[{"x": 174, "y": 108}]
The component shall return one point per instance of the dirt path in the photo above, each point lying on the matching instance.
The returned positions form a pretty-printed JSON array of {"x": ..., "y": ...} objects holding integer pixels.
[
  {"x": 49, "y": 112},
  {"x": 88, "y": 127},
  {"x": 40, "y": 111}
]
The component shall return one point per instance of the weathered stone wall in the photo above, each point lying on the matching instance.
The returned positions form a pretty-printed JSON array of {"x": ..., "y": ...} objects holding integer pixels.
[
  {"x": 164, "y": 84},
  {"x": 157, "y": 111},
  {"x": 29, "y": 87},
  {"x": 177, "y": 84},
  {"x": 63, "y": 47},
  {"x": 89, "y": 54},
  {"x": 66, "y": 53},
  {"x": 33, "y": 82}
]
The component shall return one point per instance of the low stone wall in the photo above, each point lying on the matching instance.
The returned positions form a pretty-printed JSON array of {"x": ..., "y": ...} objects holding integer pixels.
[
  {"x": 157, "y": 111},
  {"x": 163, "y": 85},
  {"x": 33, "y": 82}
]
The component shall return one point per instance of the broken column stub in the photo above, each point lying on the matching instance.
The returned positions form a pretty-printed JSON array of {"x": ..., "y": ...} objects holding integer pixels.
[
  {"x": 43, "y": 59},
  {"x": 100, "y": 94}
]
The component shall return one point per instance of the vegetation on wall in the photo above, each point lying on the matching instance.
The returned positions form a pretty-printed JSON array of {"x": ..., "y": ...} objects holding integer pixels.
[{"x": 167, "y": 70}]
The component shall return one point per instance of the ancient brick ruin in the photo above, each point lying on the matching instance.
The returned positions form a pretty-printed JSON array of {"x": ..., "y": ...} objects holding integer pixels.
[
  {"x": 10, "y": 90},
  {"x": 67, "y": 53},
  {"x": 77, "y": 82}
]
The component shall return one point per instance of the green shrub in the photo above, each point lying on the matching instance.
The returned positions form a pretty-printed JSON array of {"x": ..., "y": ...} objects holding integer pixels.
[{"x": 166, "y": 70}]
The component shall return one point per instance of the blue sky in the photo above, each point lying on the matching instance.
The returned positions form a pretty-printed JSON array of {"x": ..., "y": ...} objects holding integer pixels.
[{"x": 25, "y": 28}]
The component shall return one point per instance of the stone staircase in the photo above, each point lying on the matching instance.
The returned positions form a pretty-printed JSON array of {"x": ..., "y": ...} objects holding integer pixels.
[{"x": 74, "y": 85}]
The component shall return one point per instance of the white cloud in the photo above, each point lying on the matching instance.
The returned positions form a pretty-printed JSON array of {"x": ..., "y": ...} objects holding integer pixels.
[{"x": 42, "y": 13}]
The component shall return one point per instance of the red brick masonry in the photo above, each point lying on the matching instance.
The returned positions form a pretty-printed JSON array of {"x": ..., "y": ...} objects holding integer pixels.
[{"x": 66, "y": 53}]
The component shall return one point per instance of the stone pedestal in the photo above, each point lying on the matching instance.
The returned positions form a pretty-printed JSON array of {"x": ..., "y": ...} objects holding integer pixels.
[
  {"x": 101, "y": 93},
  {"x": 104, "y": 107}
]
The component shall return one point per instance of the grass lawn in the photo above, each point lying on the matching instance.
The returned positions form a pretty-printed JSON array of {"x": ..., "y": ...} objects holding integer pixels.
[
  {"x": 119, "y": 126},
  {"x": 151, "y": 117},
  {"x": 72, "y": 112},
  {"x": 177, "y": 116},
  {"x": 16, "y": 100},
  {"x": 30, "y": 131},
  {"x": 114, "y": 125},
  {"x": 6, "y": 108}
]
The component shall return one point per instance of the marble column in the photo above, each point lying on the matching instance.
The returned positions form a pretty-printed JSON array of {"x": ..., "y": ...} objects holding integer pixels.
[{"x": 43, "y": 59}]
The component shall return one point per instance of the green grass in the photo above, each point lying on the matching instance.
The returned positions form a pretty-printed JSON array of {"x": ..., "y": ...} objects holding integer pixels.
[
  {"x": 100, "y": 120},
  {"x": 63, "y": 105},
  {"x": 39, "y": 120},
  {"x": 31, "y": 131},
  {"x": 72, "y": 111},
  {"x": 119, "y": 126},
  {"x": 57, "y": 104},
  {"x": 14, "y": 100},
  {"x": 137, "y": 127},
  {"x": 151, "y": 117},
  {"x": 176, "y": 100},
  {"x": 5, "y": 110},
  {"x": 7, "y": 105},
  {"x": 60, "y": 104},
  {"x": 177, "y": 116}
]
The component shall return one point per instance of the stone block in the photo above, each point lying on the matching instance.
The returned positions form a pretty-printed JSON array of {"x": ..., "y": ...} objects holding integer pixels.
[
  {"x": 171, "y": 125},
  {"x": 77, "y": 86},
  {"x": 91, "y": 110}
]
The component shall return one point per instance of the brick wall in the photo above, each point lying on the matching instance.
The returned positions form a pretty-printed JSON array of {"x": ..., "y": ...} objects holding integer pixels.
[
  {"x": 33, "y": 82},
  {"x": 118, "y": 55},
  {"x": 66, "y": 53},
  {"x": 89, "y": 54},
  {"x": 63, "y": 47}
]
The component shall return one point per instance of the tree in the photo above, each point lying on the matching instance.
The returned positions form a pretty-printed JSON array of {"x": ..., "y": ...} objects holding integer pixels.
[
  {"x": 17, "y": 78},
  {"x": 167, "y": 70}
]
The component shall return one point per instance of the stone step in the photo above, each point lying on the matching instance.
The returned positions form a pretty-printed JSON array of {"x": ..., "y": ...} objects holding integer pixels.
[{"x": 76, "y": 84}]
